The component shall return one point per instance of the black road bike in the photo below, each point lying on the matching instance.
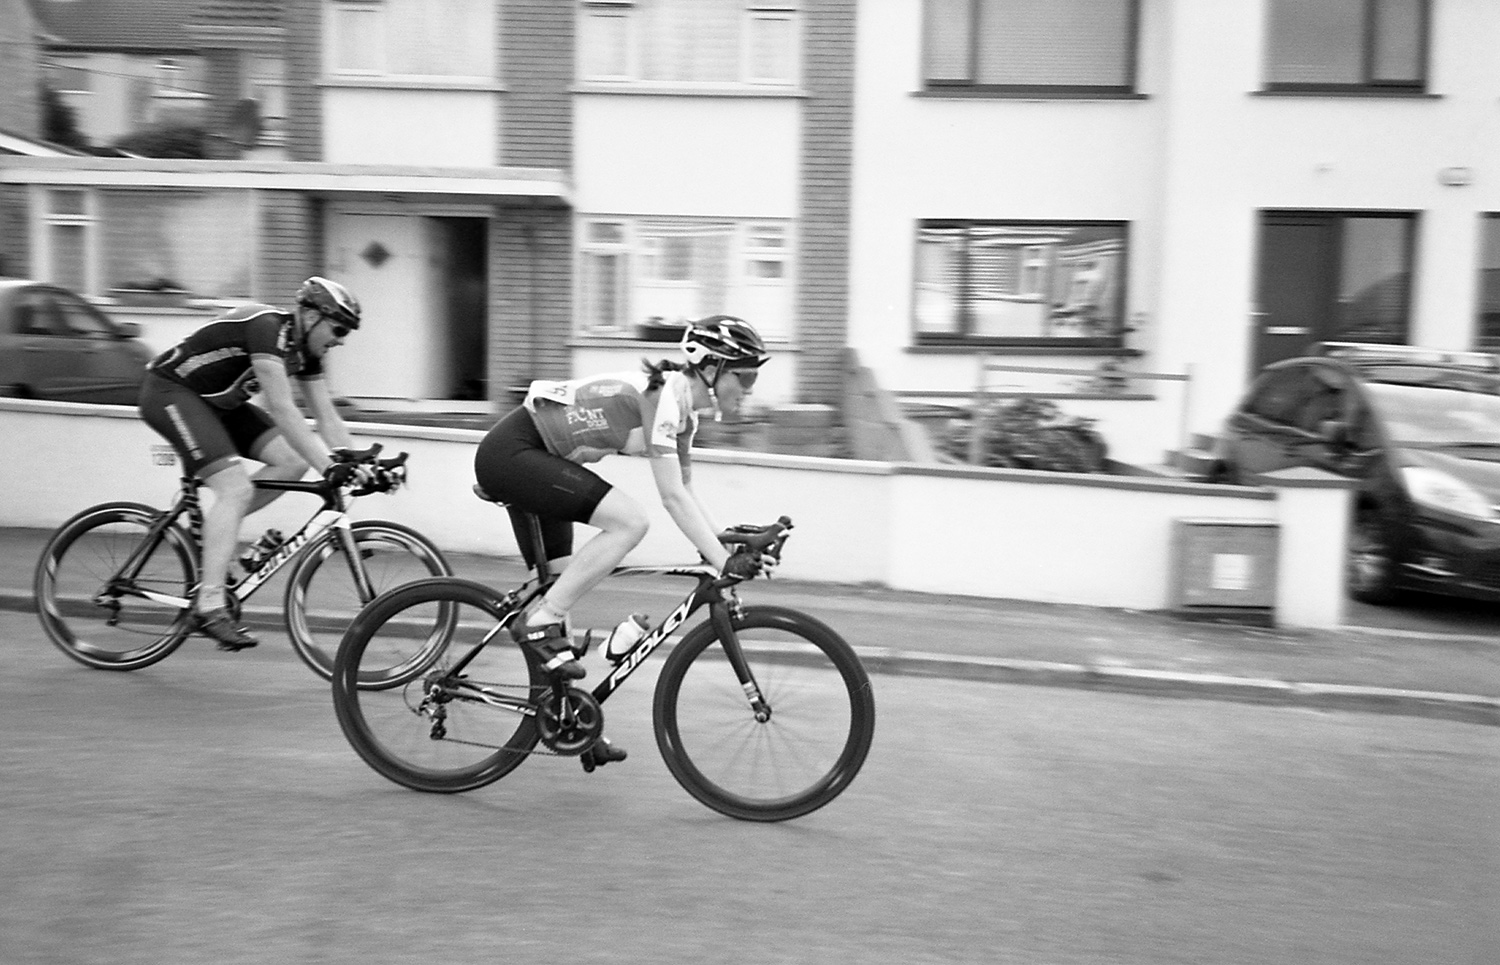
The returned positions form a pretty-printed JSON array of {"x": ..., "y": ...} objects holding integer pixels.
[
  {"x": 762, "y": 713},
  {"x": 115, "y": 582}
]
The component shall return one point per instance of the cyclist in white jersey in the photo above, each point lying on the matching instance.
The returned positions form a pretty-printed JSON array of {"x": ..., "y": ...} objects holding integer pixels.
[{"x": 533, "y": 460}]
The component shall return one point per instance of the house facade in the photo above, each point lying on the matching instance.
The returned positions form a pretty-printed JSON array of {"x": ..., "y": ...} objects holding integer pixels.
[
  {"x": 1167, "y": 186},
  {"x": 1126, "y": 205}
]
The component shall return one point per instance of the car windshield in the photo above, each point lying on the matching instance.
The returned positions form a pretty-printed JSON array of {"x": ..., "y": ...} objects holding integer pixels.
[{"x": 1429, "y": 417}]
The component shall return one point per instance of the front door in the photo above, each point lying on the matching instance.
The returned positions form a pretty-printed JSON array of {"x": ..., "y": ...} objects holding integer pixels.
[
  {"x": 1330, "y": 276},
  {"x": 1294, "y": 291},
  {"x": 382, "y": 259}
]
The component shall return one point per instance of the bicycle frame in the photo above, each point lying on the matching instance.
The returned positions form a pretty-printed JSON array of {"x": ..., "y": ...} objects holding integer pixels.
[
  {"x": 709, "y": 592},
  {"x": 333, "y": 514}
]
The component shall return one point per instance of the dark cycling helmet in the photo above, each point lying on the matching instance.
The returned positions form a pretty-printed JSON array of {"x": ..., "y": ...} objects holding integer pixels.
[
  {"x": 731, "y": 341},
  {"x": 332, "y": 299}
]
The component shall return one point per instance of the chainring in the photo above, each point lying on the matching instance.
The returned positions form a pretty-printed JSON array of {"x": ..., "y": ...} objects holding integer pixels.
[{"x": 569, "y": 720}]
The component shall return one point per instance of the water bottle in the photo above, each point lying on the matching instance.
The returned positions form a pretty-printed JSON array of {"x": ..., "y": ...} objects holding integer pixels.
[
  {"x": 263, "y": 547},
  {"x": 623, "y": 638}
]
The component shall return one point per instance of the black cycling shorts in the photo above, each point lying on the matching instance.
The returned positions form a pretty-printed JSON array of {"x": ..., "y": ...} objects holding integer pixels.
[
  {"x": 513, "y": 465},
  {"x": 202, "y": 434}
]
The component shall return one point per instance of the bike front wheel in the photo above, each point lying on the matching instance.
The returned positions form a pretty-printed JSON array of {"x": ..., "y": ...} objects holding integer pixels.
[
  {"x": 787, "y": 757},
  {"x": 466, "y": 720},
  {"x": 326, "y": 589},
  {"x": 100, "y": 616}
]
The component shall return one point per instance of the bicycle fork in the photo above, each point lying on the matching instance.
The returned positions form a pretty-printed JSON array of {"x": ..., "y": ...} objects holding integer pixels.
[{"x": 722, "y": 616}]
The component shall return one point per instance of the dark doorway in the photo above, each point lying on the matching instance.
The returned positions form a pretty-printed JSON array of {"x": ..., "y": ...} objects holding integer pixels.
[
  {"x": 465, "y": 311},
  {"x": 1330, "y": 276}
]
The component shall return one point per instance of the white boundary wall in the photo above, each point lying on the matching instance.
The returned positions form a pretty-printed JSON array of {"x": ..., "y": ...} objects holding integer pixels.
[{"x": 1052, "y": 537}]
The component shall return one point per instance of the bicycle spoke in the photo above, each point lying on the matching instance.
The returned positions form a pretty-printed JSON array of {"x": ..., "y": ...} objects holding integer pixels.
[
  {"x": 323, "y": 596},
  {"x": 802, "y": 755},
  {"x": 93, "y": 615},
  {"x": 448, "y": 728}
]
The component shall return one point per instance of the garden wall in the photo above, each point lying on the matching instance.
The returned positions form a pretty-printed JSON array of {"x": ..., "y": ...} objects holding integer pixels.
[{"x": 1054, "y": 537}]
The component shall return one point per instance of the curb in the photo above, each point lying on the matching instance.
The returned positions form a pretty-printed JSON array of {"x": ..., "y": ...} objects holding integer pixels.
[{"x": 1461, "y": 708}]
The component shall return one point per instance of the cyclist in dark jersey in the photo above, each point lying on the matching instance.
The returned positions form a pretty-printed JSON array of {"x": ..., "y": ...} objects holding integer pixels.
[
  {"x": 533, "y": 460},
  {"x": 197, "y": 396}
]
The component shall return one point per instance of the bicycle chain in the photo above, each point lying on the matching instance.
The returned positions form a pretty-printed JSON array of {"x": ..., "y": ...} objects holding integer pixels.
[{"x": 538, "y": 749}]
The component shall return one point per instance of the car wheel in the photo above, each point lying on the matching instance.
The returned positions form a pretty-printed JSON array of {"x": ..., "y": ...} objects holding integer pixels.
[{"x": 1372, "y": 563}]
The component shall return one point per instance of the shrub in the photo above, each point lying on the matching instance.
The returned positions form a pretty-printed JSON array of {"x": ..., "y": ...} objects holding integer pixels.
[{"x": 1030, "y": 433}]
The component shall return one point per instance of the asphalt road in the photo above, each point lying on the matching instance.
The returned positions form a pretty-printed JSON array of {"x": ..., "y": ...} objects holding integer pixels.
[{"x": 209, "y": 810}]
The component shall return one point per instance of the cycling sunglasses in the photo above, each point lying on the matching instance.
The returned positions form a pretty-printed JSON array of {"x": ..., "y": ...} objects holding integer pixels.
[
  {"x": 339, "y": 331},
  {"x": 746, "y": 377}
]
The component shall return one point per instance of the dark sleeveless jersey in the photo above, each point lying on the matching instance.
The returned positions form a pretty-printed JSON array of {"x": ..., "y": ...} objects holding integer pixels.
[{"x": 215, "y": 360}]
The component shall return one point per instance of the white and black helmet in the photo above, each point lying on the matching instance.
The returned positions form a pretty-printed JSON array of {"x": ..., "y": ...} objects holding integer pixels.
[
  {"x": 331, "y": 299},
  {"x": 725, "y": 339}
]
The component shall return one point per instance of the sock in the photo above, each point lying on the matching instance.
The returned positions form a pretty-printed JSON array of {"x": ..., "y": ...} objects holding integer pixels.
[
  {"x": 210, "y": 597},
  {"x": 544, "y": 613}
]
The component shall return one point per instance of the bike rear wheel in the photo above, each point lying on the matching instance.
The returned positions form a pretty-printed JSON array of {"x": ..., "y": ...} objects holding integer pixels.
[
  {"x": 323, "y": 595},
  {"x": 96, "y": 618},
  {"x": 447, "y": 729},
  {"x": 819, "y": 729}
]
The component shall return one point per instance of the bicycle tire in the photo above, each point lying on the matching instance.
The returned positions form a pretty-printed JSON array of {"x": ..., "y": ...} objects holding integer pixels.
[
  {"x": 388, "y": 728},
  {"x": 118, "y": 631},
  {"x": 321, "y": 601},
  {"x": 821, "y": 725}
]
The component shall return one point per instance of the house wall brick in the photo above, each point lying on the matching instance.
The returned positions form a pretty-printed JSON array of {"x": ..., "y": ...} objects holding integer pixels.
[
  {"x": 827, "y": 150},
  {"x": 20, "y": 75},
  {"x": 530, "y": 296},
  {"x": 291, "y": 245},
  {"x": 222, "y": 77},
  {"x": 15, "y": 234},
  {"x": 302, "y": 49},
  {"x": 536, "y": 56}
]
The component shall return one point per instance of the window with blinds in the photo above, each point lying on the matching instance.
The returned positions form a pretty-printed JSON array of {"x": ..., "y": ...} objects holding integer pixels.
[
  {"x": 1063, "y": 46},
  {"x": 1340, "y": 44},
  {"x": 653, "y": 271},
  {"x": 1020, "y": 282},
  {"x": 446, "y": 39},
  {"x": 710, "y": 43}
]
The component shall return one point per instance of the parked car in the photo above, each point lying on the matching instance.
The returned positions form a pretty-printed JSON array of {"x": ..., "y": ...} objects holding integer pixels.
[
  {"x": 1418, "y": 428},
  {"x": 56, "y": 345}
]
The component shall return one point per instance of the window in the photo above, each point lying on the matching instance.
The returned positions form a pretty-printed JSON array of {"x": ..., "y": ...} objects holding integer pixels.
[
  {"x": 689, "y": 42},
  {"x": 652, "y": 271},
  {"x": 98, "y": 239},
  {"x": 67, "y": 225},
  {"x": 1489, "y": 283},
  {"x": 434, "y": 39},
  {"x": 1347, "y": 44},
  {"x": 1020, "y": 283},
  {"x": 1000, "y": 46}
]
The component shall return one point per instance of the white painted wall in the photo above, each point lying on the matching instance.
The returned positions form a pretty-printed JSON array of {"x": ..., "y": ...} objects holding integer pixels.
[
  {"x": 710, "y": 156},
  {"x": 383, "y": 125},
  {"x": 1101, "y": 541}
]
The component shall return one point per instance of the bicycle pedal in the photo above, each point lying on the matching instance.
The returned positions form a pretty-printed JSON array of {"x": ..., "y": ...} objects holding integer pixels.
[
  {"x": 603, "y": 752},
  {"x": 580, "y": 650}
]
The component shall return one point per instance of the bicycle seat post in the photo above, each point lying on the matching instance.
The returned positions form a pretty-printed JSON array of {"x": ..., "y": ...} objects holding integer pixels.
[{"x": 539, "y": 551}]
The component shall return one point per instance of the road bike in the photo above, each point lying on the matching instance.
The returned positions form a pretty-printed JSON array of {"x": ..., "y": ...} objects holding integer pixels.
[
  {"x": 114, "y": 583},
  {"x": 762, "y": 713}
]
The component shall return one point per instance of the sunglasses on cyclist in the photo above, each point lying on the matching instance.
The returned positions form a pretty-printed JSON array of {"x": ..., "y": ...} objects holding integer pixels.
[
  {"x": 339, "y": 331},
  {"x": 746, "y": 377}
]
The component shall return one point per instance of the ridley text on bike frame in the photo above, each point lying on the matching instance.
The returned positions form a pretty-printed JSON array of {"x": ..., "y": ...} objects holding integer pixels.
[
  {"x": 705, "y": 593},
  {"x": 325, "y": 519}
]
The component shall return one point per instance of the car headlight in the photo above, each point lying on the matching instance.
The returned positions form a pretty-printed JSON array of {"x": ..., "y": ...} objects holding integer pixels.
[{"x": 1439, "y": 490}]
